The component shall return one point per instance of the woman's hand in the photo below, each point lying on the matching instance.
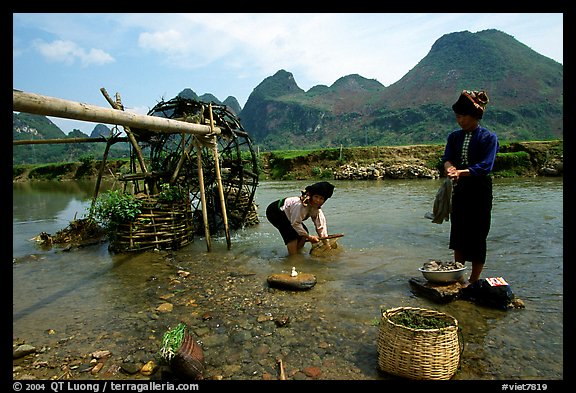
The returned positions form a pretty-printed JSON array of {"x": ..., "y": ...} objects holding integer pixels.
[
  {"x": 455, "y": 174},
  {"x": 313, "y": 239}
]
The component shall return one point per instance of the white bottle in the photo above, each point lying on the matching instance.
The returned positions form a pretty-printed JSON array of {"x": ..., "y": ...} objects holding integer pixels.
[{"x": 294, "y": 272}]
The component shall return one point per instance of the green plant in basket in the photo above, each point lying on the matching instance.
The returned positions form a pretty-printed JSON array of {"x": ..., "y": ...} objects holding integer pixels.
[
  {"x": 171, "y": 193},
  {"x": 171, "y": 341},
  {"x": 413, "y": 320},
  {"x": 114, "y": 208}
]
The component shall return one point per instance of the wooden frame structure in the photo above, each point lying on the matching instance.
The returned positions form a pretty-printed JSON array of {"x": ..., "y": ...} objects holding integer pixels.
[{"x": 51, "y": 106}]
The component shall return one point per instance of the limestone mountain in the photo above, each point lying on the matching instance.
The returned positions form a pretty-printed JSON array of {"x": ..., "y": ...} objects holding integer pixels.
[
  {"x": 230, "y": 102},
  {"x": 525, "y": 90},
  {"x": 233, "y": 105},
  {"x": 100, "y": 131},
  {"x": 28, "y": 126}
]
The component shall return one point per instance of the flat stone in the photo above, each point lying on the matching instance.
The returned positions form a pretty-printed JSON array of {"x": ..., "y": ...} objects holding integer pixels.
[
  {"x": 23, "y": 350},
  {"x": 439, "y": 293},
  {"x": 302, "y": 281},
  {"x": 445, "y": 293},
  {"x": 165, "y": 307}
]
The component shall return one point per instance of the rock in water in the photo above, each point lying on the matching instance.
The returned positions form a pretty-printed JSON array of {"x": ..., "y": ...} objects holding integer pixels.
[
  {"x": 435, "y": 292},
  {"x": 302, "y": 281}
]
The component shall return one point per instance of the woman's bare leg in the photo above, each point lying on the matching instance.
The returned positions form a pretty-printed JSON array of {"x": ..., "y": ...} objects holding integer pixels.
[
  {"x": 301, "y": 242},
  {"x": 292, "y": 247},
  {"x": 459, "y": 257},
  {"x": 476, "y": 268}
]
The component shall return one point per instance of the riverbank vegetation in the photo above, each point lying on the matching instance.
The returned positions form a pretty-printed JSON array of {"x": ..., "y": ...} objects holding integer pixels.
[{"x": 534, "y": 158}]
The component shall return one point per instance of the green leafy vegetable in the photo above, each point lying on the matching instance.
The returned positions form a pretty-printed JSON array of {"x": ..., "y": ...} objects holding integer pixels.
[
  {"x": 172, "y": 340},
  {"x": 412, "y": 319}
]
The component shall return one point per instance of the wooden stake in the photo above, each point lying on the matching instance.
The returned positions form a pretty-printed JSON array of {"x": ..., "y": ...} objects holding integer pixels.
[
  {"x": 101, "y": 171},
  {"x": 118, "y": 106},
  {"x": 185, "y": 153},
  {"x": 203, "y": 195},
  {"x": 148, "y": 188},
  {"x": 281, "y": 367},
  {"x": 219, "y": 181}
]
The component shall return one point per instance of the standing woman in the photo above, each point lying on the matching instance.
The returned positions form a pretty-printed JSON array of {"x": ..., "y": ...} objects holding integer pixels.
[
  {"x": 468, "y": 160},
  {"x": 288, "y": 214}
]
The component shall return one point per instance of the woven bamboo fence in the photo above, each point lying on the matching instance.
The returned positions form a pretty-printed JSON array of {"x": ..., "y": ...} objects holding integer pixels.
[{"x": 160, "y": 225}]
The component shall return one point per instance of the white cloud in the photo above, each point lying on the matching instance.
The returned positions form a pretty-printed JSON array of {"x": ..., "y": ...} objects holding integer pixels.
[
  {"x": 318, "y": 48},
  {"x": 187, "y": 43},
  {"x": 231, "y": 53},
  {"x": 68, "y": 52}
]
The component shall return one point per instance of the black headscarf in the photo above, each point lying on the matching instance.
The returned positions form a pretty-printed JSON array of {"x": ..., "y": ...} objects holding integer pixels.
[{"x": 322, "y": 188}]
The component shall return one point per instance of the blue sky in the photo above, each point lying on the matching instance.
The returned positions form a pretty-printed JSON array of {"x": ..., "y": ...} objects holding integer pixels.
[{"x": 149, "y": 57}]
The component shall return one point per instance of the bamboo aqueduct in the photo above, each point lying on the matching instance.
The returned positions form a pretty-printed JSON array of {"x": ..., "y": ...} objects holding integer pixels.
[{"x": 199, "y": 147}]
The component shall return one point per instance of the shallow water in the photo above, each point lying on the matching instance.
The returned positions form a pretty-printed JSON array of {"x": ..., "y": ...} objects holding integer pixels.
[{"x": 386, "y": 239}]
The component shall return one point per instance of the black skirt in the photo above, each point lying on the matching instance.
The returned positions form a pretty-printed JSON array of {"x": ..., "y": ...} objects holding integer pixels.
[
  {"x": 471, "y": 217},
  {"x": 279, "y": 219}
]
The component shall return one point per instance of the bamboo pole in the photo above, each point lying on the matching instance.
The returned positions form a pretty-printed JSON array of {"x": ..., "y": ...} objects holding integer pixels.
[
  {"x": 118, "y": 106},
  {"x": 64, "y": 140},
  {"x": 51, "y": 106},
  {"x": 219, "y": 182},
  {"x": 203, "y": 195},
  {"x": 185, "y": 153},
  {"x": 101, "y": 172}
]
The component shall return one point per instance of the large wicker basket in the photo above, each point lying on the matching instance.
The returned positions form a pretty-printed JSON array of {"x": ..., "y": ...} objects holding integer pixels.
[
  {"x": 431, "y": 354},
  {"x": 162, "y": 225}
]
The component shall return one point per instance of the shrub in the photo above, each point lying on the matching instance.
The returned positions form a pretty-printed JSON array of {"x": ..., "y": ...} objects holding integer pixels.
[
  {"x": 114, "y": 208},
  {"x": 171, "y": 193},
  {"x": 512, "y": 164}
]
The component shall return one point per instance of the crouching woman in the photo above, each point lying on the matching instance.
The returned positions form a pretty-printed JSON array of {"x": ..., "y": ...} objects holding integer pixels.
[{"x": 288, "y": 216}]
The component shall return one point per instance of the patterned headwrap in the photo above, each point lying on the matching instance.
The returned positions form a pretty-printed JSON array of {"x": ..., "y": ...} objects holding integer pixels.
[{"x": 471, "y": 103}]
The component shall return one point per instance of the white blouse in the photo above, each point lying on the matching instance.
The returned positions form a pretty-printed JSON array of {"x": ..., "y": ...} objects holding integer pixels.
[{"x": 297, "y": 213}]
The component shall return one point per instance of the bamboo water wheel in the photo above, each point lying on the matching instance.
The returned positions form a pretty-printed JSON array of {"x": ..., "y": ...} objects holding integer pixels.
[
  {"x": 201, "y": 148},
  {"x": 193, "y": 162}
]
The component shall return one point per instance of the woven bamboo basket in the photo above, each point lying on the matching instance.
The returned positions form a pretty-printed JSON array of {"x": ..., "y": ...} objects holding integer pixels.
[
  {"x": 159, "y": 225},
  {"x": 430, "y": 354}
]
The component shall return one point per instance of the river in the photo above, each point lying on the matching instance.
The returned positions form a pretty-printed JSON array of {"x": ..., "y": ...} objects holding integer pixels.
[{"x": 96, "y": 294}]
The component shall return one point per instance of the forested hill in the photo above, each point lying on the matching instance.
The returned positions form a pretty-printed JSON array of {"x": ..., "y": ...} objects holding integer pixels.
[{"x": 525, "y": 90}]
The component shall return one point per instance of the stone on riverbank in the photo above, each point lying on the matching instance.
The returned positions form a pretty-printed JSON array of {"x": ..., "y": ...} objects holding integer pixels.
[
  {"x": 303, "y": 281},
  {"x": 23, "y": 350}
]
